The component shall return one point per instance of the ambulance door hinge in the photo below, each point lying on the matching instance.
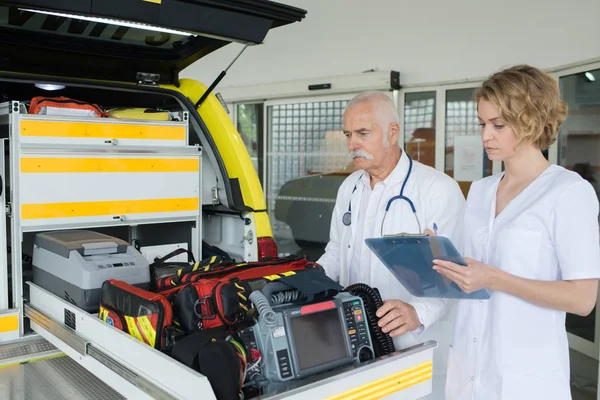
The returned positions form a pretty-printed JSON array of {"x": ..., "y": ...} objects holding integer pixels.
[
  {"x": 215, "y": 196},
  {"x": 248, "y": 238},
  {"x": 147, "y": 78},
  {"x": 8, "y": 210}
]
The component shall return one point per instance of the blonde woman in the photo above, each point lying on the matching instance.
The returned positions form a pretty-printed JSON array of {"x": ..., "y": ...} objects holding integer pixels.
[{"x": 532, "y": 239}]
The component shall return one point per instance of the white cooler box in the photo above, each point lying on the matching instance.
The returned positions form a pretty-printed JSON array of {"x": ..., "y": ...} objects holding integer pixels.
[{"x": 74, "y": 264}]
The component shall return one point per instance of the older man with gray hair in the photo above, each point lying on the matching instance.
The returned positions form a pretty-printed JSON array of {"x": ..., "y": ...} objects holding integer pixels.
[{"x": 388, "y": 194}]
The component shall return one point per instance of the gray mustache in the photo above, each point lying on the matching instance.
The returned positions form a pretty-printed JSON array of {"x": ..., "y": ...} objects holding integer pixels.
[{"x": 360, "y": 154}]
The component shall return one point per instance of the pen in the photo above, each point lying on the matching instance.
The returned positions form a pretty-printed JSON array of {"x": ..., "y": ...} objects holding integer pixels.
[{"x": 435, "y": 228}]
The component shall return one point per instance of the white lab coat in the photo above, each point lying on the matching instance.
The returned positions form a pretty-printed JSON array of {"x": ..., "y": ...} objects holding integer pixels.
[
  {"x": 506, "y": 348},
  {"x": 437, "y": 199}
]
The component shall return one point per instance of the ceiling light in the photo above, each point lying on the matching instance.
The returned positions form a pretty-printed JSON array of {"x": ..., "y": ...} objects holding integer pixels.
[
  {"x": 590, "y": 77},
  {"x": 113, "y": 22},
  {"x": 49, "y": 86}
]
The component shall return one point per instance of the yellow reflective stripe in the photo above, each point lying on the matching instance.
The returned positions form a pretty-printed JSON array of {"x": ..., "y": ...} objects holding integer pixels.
[
  {"x": 243, "y": 297},
  {"x": 237, "y": 285},
  {"x": 243, "y": 307},
  {"x": 289, "y": 273},
  {"x": 102, "y": 313},
  {"x": 9, "y": 323},
  {"x": 272, "y": 277},
  {"x": 153, "y": 1},
  {"x": 388, "y": 385},
  {"x": 115, "y": 207},
  {"x": 90, "y": 130},
  {"x": 32, "y": 360},
  {"x": 107, "y": 165},
  {"x": 132, "y": 328},
  {"x": 148, "y": 329}
]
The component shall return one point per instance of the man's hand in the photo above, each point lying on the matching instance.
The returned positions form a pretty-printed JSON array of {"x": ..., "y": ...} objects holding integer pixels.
[{"x": 397, "y": 318}]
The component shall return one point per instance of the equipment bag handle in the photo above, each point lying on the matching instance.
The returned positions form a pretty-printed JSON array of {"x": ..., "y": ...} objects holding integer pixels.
[{"x": 175, "y": 253}]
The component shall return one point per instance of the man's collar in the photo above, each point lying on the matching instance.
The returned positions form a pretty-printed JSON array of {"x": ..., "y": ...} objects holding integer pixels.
[{"x": 399, "y": 173}]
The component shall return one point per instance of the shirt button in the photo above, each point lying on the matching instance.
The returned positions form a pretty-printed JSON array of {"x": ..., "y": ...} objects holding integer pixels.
[
  {"x": 475, "y": 339},
  {"x": 472, "y": 378},
  {"x": 481, "y": 301}
]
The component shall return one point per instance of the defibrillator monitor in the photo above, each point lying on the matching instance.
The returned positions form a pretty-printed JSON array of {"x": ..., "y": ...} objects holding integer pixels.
[
  {"x": 318, "y": 336},
  {"x": 309, "y": 339}
]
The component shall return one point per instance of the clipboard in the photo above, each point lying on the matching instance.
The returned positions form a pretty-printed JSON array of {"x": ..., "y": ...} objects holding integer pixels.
[{"x": 410, "y": 259}]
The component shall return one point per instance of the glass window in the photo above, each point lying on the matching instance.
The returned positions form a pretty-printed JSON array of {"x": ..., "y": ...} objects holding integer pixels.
[
  {"x": 307, "y": 160},
  {"x": 250, "y": 127},
  {"x": 466, "y": 159},
  {"x": 579, "y": 150},
  {"x": 419, "y": 126}
]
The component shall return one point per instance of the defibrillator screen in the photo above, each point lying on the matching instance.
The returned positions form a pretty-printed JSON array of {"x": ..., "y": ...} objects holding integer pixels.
[{"x": 319, "y": 338}]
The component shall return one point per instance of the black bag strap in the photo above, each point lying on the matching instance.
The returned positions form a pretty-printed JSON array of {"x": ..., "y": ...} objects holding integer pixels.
[
  {"x": 225, "y": 268},
  {"x": 174, "y": 253}
]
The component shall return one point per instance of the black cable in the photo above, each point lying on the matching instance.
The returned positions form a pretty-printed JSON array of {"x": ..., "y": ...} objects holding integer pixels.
[{"x": 382, "y": 342}]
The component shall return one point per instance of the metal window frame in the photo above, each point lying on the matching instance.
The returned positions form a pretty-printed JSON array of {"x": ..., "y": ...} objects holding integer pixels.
[
  {"x": 561, "y": 73},
  {"x": 259, "y": 133},
  {"x": 303, "y": 99},
  {"x": 577, "y": 343},
  {"x": 294, "y": 100},
  {"x": 440, "y": 116},
  {"x": 3, "y": 231}
]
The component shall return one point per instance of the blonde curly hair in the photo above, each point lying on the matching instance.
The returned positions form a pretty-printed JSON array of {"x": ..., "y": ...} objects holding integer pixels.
[{"x": 529, "y": 101}]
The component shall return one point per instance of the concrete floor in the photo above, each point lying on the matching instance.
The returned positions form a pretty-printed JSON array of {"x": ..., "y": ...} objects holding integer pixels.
[{"x": 584, "y": 376}]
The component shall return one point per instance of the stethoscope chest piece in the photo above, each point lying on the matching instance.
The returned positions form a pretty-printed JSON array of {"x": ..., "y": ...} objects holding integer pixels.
[{"x": 347, "y": 218}]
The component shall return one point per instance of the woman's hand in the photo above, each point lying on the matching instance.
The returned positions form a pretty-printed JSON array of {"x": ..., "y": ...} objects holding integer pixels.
[{"x": 475, "y": 276}]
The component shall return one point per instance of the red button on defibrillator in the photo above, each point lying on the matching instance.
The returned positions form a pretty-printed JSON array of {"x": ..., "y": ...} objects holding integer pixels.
[{"x": 254, "y": 355}]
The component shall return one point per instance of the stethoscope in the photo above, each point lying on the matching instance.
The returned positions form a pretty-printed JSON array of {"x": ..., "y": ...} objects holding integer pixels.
[{"x": 347, "y": 217}]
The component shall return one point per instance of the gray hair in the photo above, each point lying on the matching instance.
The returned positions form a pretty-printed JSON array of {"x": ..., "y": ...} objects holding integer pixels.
[{"x": 386, "y": 112}]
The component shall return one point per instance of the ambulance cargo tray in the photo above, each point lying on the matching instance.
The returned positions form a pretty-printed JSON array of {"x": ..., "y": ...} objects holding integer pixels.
[{"x": 138, "y": 371}]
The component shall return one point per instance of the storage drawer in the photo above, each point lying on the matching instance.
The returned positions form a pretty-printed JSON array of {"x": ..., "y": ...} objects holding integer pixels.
[
  {"x": 68, "y": 131},
  {"x": 94, "y": 188},
  {"x": 139, "y": 371},
  {"x": 131, "y": 367}
]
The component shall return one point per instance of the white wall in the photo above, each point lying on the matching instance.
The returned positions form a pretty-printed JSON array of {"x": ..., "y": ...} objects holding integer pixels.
[{"x": 427, "y": 41}]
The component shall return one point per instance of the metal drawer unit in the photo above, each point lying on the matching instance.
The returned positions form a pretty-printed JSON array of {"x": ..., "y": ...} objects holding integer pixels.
[{"x": 77, "y": 173}]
